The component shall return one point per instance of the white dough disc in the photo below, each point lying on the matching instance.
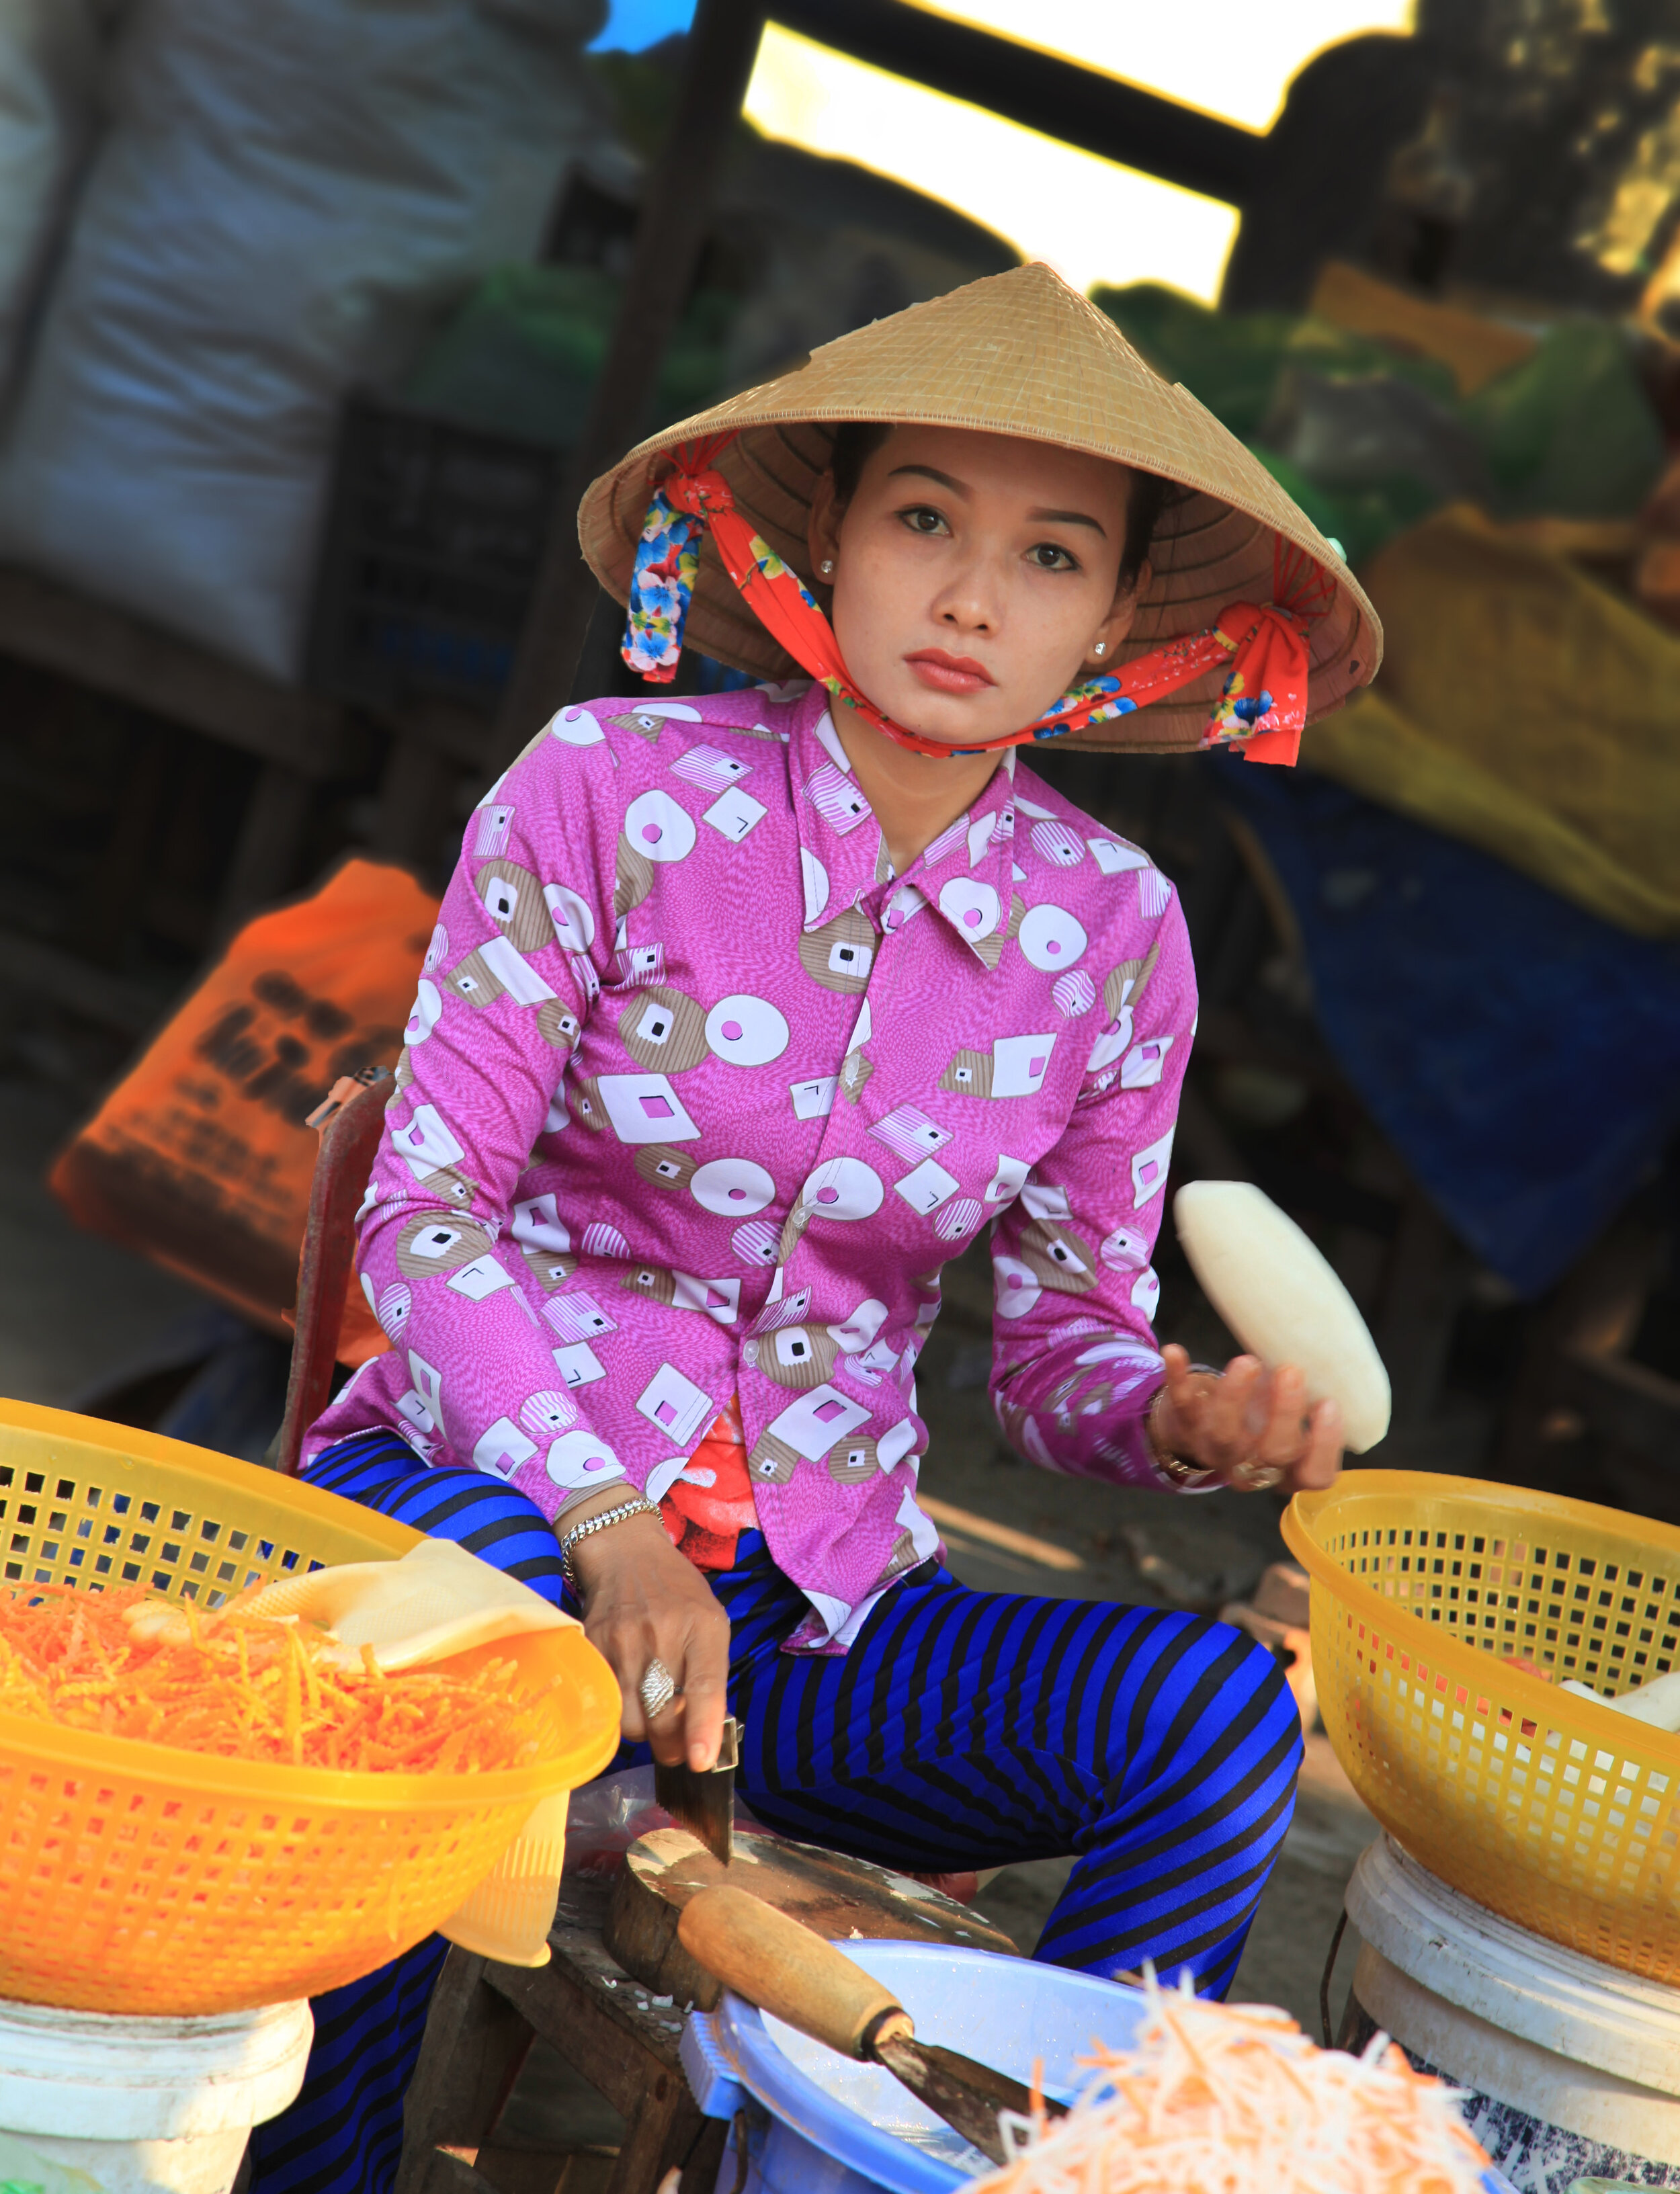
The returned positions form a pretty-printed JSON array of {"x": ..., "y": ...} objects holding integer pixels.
[{"x": 1282, "y": 1300}]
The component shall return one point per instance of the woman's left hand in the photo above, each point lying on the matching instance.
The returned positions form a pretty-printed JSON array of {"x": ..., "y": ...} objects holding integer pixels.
[{"x": 1251, "y": 1427}]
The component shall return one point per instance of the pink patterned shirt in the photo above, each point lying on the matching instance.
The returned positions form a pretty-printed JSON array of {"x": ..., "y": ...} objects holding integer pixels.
[{"x": 699, "y": 1097}]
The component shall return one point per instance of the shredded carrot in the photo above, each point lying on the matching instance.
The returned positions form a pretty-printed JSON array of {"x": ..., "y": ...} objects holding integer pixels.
[
  {"x": 1235, "y": 2100},
  {"x": 246, "y": 1687}
]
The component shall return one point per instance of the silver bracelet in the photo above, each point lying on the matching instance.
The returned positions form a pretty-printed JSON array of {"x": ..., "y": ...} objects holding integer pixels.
[
  {"x": 599, "y": 1522},
  {"x": 1184, "y": 1477}
]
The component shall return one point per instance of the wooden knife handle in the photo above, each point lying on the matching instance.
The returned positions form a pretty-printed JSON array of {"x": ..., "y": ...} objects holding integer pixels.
[{"x": 780, "y": 1965}]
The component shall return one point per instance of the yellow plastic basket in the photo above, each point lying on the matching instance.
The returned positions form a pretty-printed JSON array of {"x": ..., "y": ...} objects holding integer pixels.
[
  {"x": 1557, "y": 1814},
  {"x": 136, "y": 1878}
]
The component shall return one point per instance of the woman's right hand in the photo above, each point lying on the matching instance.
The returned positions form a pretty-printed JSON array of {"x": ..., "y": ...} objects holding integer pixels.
[{"x": 645, "y": 1602}]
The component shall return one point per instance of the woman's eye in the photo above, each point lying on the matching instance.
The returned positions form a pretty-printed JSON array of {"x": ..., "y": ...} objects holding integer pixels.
[
  {"x": 1051, "y": 556},
  {"x": 922, "y": 518}
]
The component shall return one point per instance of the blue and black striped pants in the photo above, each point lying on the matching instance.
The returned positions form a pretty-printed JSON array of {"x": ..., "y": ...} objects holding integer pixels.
[{"x": 962, "y": 1730}]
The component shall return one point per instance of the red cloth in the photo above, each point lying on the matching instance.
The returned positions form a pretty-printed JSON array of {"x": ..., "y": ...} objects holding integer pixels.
[
  {"x": 705, "y": 1521},
  {"x": 1262, "y": 709}
]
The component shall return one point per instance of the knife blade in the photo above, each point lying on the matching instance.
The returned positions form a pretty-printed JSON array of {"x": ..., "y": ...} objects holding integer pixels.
[
  {"x": 966, "y": 2094},
  {"x": 704, "y": 1800}
]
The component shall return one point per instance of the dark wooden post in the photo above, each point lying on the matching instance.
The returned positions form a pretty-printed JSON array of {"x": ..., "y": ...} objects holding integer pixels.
[
  {"x": 676, "y": 210},
  {"x": 350, "y": 1124},
  {"x": 1058, "y": 98}
]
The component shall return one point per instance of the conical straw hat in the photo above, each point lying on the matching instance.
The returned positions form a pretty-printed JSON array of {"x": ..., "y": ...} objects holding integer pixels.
[{"x": 1017, "y": 353}]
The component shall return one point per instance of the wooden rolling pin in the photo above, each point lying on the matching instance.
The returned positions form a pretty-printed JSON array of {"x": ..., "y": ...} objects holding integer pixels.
[{"x": 784, "y": 1969}]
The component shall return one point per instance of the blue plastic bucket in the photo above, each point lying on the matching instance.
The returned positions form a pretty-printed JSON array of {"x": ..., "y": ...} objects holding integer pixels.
[{"x": 836, "y": 2126}]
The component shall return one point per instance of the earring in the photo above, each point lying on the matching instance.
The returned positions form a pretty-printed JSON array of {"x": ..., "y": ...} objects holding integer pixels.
[
  {"x": 1100, "y": 647},
  {"x": 826, "y": 566}
]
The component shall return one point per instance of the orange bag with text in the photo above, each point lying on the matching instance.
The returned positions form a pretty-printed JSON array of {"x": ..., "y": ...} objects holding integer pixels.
[{"x": 200, "y": 1158}]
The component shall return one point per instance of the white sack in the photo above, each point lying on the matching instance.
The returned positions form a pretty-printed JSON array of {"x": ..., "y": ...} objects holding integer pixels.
[
  {"x": 51, "y": 53},
  {"x": 288, "y": 192}
]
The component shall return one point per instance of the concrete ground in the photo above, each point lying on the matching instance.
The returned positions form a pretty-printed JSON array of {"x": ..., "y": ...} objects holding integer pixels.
[{"x": 76, "y": 1314}]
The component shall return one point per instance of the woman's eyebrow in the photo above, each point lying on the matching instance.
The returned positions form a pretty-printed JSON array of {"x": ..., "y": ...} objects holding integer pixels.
[
  {"x": 927, "y": 472},
  {"x": 1036, "y": 517},
  {"x": 1068, "y": 517}
]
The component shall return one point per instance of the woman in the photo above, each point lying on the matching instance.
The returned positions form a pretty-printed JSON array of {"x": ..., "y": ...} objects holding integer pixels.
[{"x": 745, "y": 1014}]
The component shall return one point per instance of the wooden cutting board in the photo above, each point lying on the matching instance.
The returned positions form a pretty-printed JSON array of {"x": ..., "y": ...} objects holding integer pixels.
[{"x": 841, "y": 1899}]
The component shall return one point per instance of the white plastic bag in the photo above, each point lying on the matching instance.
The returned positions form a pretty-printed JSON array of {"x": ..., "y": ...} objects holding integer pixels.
[
  {"x": 607, "y": 1817},
  {"x": 290, "y": 190},
  {"x": 51, "y": 53}
]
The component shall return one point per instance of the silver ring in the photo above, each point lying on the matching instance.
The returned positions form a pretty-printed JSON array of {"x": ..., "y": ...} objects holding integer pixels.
[
  {"x": 1256, "y": 1477},
  {"x": 657, "y": 1689}
]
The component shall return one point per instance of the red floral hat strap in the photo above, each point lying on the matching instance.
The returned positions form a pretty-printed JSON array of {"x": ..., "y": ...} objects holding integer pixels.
[{"x": 1261, "y": 706}]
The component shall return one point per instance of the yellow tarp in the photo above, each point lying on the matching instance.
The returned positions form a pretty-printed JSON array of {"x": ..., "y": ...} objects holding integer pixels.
[
  {"x": 1525, "y": 708},
  {"x": 1477, "y": 349}
]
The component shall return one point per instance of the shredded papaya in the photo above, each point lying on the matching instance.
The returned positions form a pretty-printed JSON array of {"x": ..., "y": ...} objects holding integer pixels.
[
  {"x": 247, "y": 1687},
  {"x": 1234, "y": 2098}
]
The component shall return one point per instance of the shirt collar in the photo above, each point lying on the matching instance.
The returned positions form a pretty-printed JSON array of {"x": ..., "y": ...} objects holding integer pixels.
[{"x": 965, "y": 875}]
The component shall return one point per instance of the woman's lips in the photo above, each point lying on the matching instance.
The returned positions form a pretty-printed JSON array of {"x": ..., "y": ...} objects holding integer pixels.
[{"x": 949, "y": 674}]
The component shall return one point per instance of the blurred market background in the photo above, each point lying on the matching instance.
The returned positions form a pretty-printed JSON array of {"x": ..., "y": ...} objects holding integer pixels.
[{"x": 316, "y": 314}]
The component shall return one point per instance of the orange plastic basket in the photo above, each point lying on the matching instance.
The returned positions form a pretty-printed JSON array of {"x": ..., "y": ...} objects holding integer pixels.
[
  {"x": 137, "y": 1878},
  {"x": 1555, "y": 1813}
]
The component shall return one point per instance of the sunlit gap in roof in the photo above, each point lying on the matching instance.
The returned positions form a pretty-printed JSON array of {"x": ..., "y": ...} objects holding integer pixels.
[
  {"x": 1232, "y": 58},
  {"x": 1092, "y": 220}
]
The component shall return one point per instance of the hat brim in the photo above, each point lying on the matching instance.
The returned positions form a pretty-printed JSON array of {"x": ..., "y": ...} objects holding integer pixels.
[{"x": 1215, "y": 542}]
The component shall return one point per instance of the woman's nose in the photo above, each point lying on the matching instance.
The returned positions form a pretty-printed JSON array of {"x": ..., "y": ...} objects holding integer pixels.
[{"x": 970, "y": 599}]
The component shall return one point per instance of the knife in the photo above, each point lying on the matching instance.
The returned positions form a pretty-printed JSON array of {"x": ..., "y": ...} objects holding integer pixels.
[
  {"x": 704, "y": 1800},
  {"x": 771, "y": 1961}
]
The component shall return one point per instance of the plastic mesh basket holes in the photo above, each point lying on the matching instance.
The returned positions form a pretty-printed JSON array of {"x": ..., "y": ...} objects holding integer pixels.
[
  {"x": 1442, "y": 1618},
  {"x": 1606, "y": 1623},
  {"x": 58, "y": 1531}
]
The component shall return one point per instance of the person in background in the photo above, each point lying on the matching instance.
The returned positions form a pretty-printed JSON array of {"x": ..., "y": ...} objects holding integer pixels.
[{"x": 743, "y": 1015}]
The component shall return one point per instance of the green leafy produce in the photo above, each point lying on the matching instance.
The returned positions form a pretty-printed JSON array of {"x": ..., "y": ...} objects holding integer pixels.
[
  {"x": 1567, "y": 432},
  {"x": 522, "y": 355},
  {"x": 1231, "y": 361},
  {"x": 1570, "y": 432}
]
